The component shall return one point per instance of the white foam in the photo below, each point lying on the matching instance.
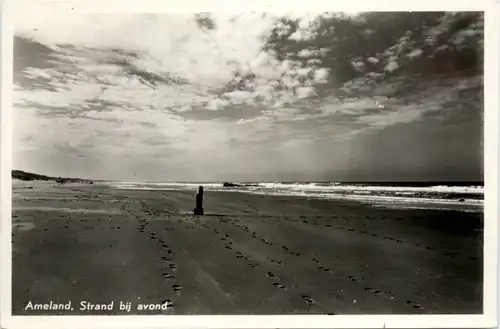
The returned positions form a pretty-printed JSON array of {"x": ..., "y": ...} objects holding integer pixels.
[
  {"x": 374, "y": 188},
  {"x": 432, "y": 195}
]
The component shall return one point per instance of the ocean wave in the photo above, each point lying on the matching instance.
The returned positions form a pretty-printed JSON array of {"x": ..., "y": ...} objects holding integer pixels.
[
  {"x": 376, "y": 188},
  {"x": 369, "y": 197},
  {"x": 319, "y": 187},
  {"x": 438, "y": 194}
]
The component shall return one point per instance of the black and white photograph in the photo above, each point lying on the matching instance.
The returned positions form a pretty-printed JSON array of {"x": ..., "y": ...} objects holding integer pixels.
[{"x": 248, "y": 163}]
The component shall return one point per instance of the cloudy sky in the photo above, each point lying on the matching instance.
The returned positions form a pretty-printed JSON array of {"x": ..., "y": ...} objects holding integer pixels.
[{"x": 234, "y": 97}]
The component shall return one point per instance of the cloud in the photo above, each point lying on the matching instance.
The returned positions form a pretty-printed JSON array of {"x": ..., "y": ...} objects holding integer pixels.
[
  {"x": 181, "y": 89},
  {"x": 187, "y": 68}
]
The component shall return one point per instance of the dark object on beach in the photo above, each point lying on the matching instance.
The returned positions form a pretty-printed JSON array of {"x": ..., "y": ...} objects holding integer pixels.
[
  {"x": 227, "y": 184},
  {"x": 199, "y": 202},
  {"x": 461, "y": 200}
]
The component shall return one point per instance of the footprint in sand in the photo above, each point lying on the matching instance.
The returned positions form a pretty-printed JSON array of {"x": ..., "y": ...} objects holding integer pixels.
[
  {"x": 412, "y": 304},
  {"x": 271, "y": 274},
  {"x": 352, "y": 278},
  {"x": 167, "y": 259},
  {"x": 173, "y": 267},
  {"x": 169, "y": 302},
  {"x": 176, "y": 288},
  {"x": 308, "y": 299},
  {"x": 373, "y": 291},
  {"x": 278, "y": 285},
  {"x": 167, "y": 276}
]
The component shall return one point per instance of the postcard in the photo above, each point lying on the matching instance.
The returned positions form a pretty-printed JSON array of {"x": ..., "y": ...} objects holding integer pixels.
[{"x": 249, "y": 165}]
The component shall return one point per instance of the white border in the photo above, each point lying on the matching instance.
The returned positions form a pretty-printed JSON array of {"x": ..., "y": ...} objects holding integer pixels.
[
  {"x": 5, "y": 165},
  {"x": 491, "y": 138}
]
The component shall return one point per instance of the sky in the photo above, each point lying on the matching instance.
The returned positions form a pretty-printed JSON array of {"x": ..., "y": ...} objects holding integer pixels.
[{"x": 186, "y": 97}]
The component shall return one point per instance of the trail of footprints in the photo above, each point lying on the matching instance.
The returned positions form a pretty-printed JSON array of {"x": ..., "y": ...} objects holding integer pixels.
[
  {"x": 307, "y": 298},
  {"x": 418, "y": 245},
  {"x": 171, "y": 267},
  {"x": 226, "y": 239},
  {"x": 228, "y": 244}
]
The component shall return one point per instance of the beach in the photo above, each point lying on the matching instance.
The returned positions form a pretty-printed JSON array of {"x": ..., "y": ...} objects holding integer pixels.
[{"x": 249, "y": 254}]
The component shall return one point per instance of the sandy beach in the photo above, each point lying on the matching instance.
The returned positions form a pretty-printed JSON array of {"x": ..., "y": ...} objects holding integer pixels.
[{"x": 249, "y": 254}]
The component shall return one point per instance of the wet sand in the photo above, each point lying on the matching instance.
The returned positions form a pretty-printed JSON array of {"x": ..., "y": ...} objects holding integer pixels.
[{"x": 250, "y": 254}]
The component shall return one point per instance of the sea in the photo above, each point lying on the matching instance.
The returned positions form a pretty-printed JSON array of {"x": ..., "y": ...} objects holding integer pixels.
[{"x": 446, "y": 195}]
